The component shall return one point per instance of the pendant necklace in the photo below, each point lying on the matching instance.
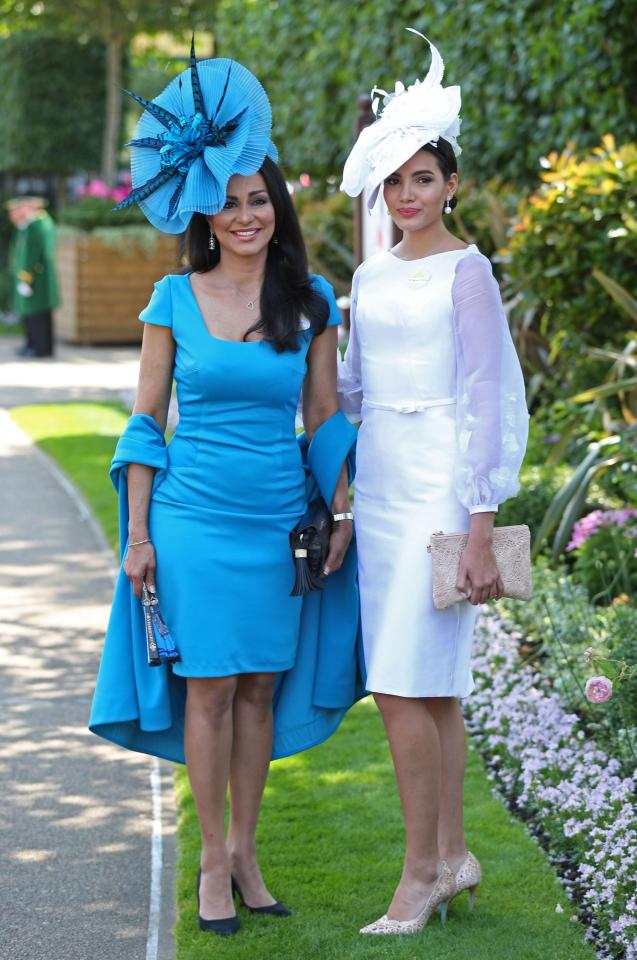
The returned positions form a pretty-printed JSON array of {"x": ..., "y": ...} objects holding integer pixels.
[{"x": 250, "y": 304}]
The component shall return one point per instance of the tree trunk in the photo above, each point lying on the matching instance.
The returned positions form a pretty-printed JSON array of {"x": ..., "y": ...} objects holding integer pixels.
[{"x": 112, "y": 120}]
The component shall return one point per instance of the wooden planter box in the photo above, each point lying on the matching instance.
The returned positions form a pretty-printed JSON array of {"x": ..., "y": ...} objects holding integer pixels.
[{"x": 103, "y": 289}]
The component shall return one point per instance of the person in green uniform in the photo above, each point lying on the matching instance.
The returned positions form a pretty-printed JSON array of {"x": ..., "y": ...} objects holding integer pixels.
[{"x": 34, "y": 281}]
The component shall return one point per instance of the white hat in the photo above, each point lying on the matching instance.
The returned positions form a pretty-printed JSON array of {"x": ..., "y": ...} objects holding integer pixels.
[{"x": 410, "y": 118}]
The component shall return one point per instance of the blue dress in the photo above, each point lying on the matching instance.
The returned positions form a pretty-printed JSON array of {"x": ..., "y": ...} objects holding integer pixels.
[{"x": 221, "y": 513}]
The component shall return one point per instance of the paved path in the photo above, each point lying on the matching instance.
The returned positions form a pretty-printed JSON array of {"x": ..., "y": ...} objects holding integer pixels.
[
  {"x": 81, "y": 836},
  {"x": 74, "y": 373}
]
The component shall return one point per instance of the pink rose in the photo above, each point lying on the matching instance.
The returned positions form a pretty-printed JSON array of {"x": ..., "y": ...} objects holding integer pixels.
[{"x": 598, "y": 689}]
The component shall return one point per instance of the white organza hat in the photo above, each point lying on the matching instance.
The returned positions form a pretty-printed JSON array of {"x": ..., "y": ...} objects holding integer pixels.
[{"x": 410, "y": 118}]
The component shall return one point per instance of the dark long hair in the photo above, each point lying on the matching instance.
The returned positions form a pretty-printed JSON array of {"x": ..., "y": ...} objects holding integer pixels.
[
  {"x": 287, "y": 293},
  {"x": 446, "y": 158}
]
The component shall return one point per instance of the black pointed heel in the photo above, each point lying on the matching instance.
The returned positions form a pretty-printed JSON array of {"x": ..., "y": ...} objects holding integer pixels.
[
  {"x": 226, "y": 927},
  {"x": 277, "y": 909}
]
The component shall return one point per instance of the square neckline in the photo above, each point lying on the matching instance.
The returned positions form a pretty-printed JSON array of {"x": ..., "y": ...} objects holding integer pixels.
[{"x": 241, "y": 343}]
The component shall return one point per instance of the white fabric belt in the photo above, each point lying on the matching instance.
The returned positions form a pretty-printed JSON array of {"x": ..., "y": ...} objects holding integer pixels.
[{"x": 407, "y": 407}]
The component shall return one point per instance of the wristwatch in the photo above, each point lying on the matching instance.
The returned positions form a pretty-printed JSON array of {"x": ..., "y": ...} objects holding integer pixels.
[{"x": 342, "y": 516}]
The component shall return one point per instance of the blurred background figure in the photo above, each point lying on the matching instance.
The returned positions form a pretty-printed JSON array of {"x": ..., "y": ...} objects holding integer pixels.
[{"x": 34, "y": 288}]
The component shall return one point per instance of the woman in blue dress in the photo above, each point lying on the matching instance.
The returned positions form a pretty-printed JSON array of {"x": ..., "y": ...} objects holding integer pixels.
[{"x": 241, "y": 333}]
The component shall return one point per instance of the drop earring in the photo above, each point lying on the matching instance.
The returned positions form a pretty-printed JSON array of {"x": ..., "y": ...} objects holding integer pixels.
[
  {"x": 212, "y": 242},
  {"x": 448, "y": 205}
]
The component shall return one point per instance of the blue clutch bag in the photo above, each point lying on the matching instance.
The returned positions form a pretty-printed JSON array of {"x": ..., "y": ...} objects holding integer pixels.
[{"x": 160, "y": 646}]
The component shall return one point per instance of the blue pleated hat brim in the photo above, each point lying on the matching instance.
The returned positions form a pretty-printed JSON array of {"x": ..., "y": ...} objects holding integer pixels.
[{"x": 204, "y": 190}]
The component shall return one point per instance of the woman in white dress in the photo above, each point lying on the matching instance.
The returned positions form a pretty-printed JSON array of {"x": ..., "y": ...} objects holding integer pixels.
[{"x": 432, "y": 372}]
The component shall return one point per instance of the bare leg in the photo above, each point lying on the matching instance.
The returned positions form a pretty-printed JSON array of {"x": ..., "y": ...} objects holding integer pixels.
[
  {"x": 415, "y": 749},
  {"x": 208, "y": 744},
  {"x": 448, "y": 718},
  {"x": 251, "y": 751}
]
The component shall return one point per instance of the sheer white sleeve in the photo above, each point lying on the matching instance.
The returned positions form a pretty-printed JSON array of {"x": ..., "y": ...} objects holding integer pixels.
[
  {"x": 350, "y": 392},
  {"x": 491, "y": 414}
]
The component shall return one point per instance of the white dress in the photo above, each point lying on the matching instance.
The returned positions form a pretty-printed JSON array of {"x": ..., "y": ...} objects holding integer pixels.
[{"x": 432, "y": 372}]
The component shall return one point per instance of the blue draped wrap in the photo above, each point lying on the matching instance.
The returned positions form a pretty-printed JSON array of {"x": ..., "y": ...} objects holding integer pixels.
[{"x": 142, "y": 708}]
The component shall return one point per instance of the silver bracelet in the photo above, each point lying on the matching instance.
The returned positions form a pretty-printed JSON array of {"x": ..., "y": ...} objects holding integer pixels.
[
  {"x": 136, "y": 543},
  {"x": 343, "y": 516}
]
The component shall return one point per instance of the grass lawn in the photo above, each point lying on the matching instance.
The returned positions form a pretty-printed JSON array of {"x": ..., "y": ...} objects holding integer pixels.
[
  {"x": 11, "y": 329},
  {"x": 330, "y": 836}
]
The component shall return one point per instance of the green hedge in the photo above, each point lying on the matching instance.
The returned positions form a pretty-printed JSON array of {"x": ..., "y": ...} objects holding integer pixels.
[
  {"x": 52, "y": 104},
  {"x": 583, "y": 216},
  {"x": 535, "y": 74}
]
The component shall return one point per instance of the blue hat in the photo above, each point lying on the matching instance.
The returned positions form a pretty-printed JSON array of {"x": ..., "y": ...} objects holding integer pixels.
[{"x": 210, "y": 122}]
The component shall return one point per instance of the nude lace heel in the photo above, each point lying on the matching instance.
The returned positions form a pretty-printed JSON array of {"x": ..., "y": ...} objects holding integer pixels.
[
  {"x": 444, "y": 889},
  {"x": 468, "y": 877}
]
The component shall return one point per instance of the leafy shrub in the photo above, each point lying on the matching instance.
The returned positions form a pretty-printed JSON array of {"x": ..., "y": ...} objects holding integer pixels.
[
  {"x": 604, "y": 544},
  {"x": 534, "y": 74},
  {"x": 484, "y": 214},
  {"x": 327, "y": 225},
  {"x": 89, "y": 213},
  {"x": 582, "y": 217},
  {"x": 538, "y": 486},
  {"x": 50, "y": 125}
]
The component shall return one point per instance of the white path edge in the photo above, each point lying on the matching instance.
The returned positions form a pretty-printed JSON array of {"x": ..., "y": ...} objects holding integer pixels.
[
  {"x": 156, "y": 849},
  {"x": 156, "y": 859}
]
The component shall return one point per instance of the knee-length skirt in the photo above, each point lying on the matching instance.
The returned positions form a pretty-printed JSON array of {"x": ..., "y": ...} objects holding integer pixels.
[{"x": 404, "y": 492}]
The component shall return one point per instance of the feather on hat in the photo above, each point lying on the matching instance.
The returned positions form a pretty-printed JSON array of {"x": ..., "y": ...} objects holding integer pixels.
[
  {"x": 210, "y": 122},
  {"x": 409, "y": 119}
]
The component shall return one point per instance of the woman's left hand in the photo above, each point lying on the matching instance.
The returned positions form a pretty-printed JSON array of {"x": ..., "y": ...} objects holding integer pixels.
[
  {"x": 339, "y": 542},
  {"x": 478, "y": 575}
]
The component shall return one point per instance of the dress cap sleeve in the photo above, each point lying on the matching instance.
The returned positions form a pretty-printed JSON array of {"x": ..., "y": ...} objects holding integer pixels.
[
  {"x": 327, "y": 291},
  {"x": 159, "y": 309}
]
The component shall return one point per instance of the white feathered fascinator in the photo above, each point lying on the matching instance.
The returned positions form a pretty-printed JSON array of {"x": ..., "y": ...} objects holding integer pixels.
[{"x": 409, "y": 119}]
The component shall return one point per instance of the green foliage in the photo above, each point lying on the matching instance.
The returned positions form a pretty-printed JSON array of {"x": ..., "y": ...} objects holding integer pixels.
[
  {"x": 484, "y": 214},
  {"x": 6, "y": 231},
  {"x": 534, "y": 75},
  {"x": 327, "y": 224},
  {"x": 91, "y": 212},
  {"x": 538, "y": 486},
  {"x": 598, "y": 434},
  {"x": 582, "y": 217},
  {"x": 50, "y": 127},
  {"x": 605, "y": 562}
]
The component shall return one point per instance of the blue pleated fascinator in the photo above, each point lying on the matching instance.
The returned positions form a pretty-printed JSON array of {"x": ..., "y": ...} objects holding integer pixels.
[{"x": 210, "y": 122}]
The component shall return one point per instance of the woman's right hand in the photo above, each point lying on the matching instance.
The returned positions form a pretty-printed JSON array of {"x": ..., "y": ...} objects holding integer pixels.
[{"x": 139, "y": 565}]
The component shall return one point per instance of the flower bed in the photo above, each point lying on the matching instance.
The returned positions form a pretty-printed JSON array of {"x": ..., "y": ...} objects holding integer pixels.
[{"x": 566, "y": 787}]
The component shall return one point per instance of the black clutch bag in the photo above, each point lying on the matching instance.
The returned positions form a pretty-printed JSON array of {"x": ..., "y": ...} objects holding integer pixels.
[
  {"x": 309, "y": 542},
  {"x": 160, "y": 646}
]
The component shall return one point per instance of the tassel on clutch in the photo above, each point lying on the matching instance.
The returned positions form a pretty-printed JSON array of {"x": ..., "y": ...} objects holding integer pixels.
[
  {"x": 160, "y": 646},
  {"x": 309, "y": 542}
]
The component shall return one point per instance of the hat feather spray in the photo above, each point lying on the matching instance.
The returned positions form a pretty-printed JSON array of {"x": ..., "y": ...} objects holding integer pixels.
[{"x": 406, "y": 120}]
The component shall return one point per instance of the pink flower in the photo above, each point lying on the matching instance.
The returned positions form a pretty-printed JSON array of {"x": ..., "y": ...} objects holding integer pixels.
[
  {"x": 119, "y": 193},
  {"x": 98, "y": 189},
  {"x": 598, "y": 689}
]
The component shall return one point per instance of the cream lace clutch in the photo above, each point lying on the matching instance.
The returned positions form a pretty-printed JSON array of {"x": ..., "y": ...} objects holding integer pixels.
[{"x": 512, "y": 548}]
